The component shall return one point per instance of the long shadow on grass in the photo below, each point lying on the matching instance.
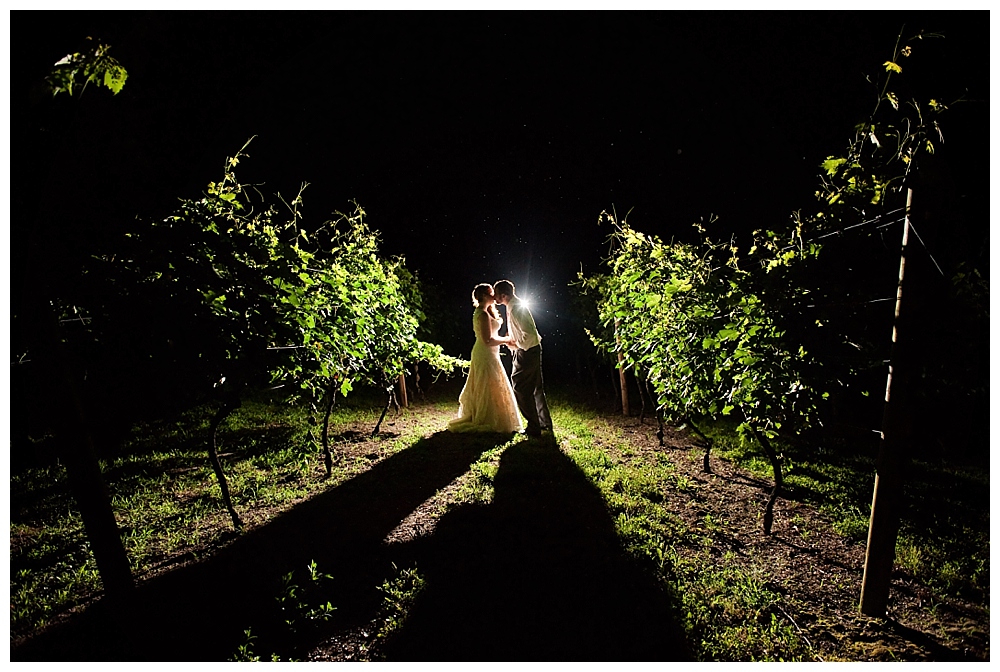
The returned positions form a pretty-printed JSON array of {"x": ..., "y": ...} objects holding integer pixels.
[
  {"x": 537, "y": 575},
  {"x": 200, "y": 612}
]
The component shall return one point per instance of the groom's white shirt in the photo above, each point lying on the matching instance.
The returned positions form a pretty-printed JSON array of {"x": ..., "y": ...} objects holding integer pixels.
[{"x": 521, "y": 325}]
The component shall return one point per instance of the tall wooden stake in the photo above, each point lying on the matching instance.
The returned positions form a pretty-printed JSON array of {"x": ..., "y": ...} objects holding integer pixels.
[
  {"x": 402, "y": 391},
  {"x": 883, "y": 526},
  {"x": 621, "y": 373}
]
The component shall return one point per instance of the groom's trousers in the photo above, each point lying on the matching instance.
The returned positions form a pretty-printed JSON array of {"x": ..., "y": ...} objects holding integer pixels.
[{"x": 526, "y": 378}]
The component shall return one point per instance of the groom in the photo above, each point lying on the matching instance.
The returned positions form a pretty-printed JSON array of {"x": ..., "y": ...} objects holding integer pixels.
[{"x": 527, "y": 372}]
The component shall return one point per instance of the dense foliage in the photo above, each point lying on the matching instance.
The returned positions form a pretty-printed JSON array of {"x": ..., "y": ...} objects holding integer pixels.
[
  {"x": 232, "y": 290},
  {"x": 700, "y": 329},
  {"x": 231, "y": 294}
]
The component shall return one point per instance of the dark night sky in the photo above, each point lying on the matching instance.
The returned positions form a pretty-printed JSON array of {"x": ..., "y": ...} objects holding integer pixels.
[{"x": 485, "y": 145}]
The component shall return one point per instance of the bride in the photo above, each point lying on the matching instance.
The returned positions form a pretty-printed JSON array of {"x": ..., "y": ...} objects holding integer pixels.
[{"x": 487, "y": 402}]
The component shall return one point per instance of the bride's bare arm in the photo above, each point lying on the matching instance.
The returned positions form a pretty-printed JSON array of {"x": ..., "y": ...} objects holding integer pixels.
[{"x": 485, "y": 332}]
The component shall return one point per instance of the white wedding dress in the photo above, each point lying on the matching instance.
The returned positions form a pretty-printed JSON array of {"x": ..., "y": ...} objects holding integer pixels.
[{"x": 487, "y": 402}]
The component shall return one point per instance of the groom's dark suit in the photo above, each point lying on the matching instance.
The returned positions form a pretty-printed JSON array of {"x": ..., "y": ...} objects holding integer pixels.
[{"x": 526, "y": 377}]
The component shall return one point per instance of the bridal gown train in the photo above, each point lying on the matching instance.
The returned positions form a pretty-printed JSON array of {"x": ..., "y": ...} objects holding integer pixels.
[{"x": 487, "y": 402}]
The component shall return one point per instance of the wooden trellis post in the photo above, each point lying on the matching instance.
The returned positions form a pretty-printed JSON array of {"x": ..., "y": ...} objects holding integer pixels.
[
  {"x": 402, "y": 391},
  {"x": 883, "y": 527},
  {"x": 621, "y": 372}
]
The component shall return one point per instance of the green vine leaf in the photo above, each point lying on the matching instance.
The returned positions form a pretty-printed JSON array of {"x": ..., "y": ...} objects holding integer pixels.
[
  {"x": 832, "y": 165},
  {"x": 114, "y": 78}
]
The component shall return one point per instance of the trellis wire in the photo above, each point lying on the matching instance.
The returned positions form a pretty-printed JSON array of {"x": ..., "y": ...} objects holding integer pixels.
[
  {"x": 881, "y": 225},
  {"x": 877, "y": 219}
]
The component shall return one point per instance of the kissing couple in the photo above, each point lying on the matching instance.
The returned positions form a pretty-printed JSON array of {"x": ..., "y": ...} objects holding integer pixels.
[{"x": 490, "y": 401}]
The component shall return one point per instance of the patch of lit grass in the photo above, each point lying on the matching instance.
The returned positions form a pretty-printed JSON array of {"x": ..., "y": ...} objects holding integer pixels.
[
  {"x": 476, "y": 486},
  {"x": 728, "y": 610},
  {"x": 398, "y": 596},
  {"x": 731, "y": 612}
]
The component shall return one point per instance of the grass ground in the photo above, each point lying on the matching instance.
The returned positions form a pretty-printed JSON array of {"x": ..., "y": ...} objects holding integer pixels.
[{"x": 594, "y": 544}]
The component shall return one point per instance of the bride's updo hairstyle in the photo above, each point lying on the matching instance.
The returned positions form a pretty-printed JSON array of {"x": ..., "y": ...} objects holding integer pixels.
[{"x": 481, "y": 291}]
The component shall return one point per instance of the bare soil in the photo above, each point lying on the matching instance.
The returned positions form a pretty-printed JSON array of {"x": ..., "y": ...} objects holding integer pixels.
[{"x": 817, "y": 571}]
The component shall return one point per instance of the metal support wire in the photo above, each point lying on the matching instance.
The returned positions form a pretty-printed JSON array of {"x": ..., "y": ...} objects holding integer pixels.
[
  {"x": 881, "y": 225},
  {"x": 859, "y": 224},
  {"x": 924, "y": 245},
  {"x": 851, "y": 304},
  {"x": 921, "y": 240},
  {"x": 878, "y": 219}
]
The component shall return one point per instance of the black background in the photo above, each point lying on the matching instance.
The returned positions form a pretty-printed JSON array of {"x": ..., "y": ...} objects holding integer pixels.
[{"x": 483, "y": 145}]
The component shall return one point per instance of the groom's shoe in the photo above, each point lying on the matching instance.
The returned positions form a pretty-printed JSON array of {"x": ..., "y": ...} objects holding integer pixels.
[{"x": 533, "y": 433}]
